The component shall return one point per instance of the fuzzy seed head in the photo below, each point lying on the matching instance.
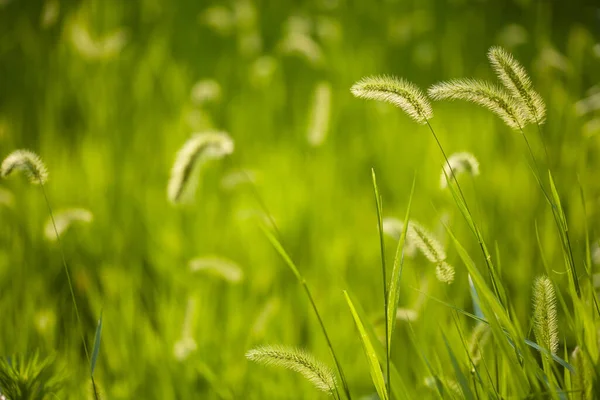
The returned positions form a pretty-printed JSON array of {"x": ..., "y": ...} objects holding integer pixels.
[
  {"x": 200, "y": 148},
  {"x": 432, "y": 249},
  {"x": 393, "y": 227},
  {"x": 516, "y": 80},
  {"x": 398, "y": 92},
  {"x": 296, "y": 360},
  {"x": 479, "y": 337},
  {"x": 583, "y": 379},
  {"x": 444, "y": 272},
  {"x": 221, "y": 267},
  {"x": 320, "y": 114},
  {"x": 485, "y": 94},
  {"x": 406, "y": 314},
  {"x": 27, "y": 162},
  {"x": 545, "y": 320},
  {"x": 64, "y": 219},
  {"x": 457, "y": 164},
  {"x": 426, "y": 243}
]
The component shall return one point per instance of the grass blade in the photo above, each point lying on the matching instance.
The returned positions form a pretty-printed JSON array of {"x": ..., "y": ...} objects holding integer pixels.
[
  {"x": 386, "y": 310},
  {"x": 394, "y": 291},
  {"x": 96, "y": 348},
  {"x": 374, "y": 367}
]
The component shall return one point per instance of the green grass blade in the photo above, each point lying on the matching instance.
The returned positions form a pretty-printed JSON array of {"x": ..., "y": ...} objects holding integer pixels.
[
  {"x": 374, "y": 367},
  {"x": 96, "y": 348},
  {"x": 394, "y": 292},
  {"x": 564, "y": 235},
  {"x": 279, "y": 248},
  {"x": 398, "y": 387},
  {"x": 386, "y": 310}
]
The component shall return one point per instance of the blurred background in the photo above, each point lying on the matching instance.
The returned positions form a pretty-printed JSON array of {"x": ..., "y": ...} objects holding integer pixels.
[{"x": 106, "y": 92}]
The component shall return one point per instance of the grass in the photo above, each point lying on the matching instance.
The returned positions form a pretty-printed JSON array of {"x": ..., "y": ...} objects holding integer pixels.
[{"x": 108, "y": 110}]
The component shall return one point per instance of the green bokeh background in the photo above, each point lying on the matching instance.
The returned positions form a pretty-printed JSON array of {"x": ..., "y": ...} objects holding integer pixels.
[{"x": 108, "y": 126}]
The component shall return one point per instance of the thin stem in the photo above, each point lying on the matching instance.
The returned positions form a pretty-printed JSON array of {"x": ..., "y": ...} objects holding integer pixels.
[
  {"x": 539, "y": 129},
  {"x": 335, "y": 359},
  {"x": 64, "y": 261},
  {"x": 258, "y": 197},
  {"x": 474, "y": 228}
]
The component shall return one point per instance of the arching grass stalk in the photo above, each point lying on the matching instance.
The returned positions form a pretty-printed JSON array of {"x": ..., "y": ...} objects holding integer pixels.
[{"x": 517, "y": 82}]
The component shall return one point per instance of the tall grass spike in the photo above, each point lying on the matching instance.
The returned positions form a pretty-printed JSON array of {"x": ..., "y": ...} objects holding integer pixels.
[
  {"x": 545, "y": 320},
  {"x": 27, "y": 162},
  {"x": 64, "y": 219},
  {"x": 515, "y": 78},
  {"x": 432, "y": 250},
  {"x": 490, "y": 96},
  {"x": 396, "y": 91},
  {"x": 296, "y": 360},
  {"x": 457, "y": 164},
  {"x": 199, "y": 148}
]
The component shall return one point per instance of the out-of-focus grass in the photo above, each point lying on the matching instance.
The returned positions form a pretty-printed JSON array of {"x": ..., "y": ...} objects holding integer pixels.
[{"x": 108, "y": 111}]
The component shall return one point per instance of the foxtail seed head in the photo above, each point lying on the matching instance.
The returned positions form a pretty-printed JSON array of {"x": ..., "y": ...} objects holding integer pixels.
[
  {"x": 396, "y": 91},
  {"x": 198, "y": 149},
  {"x": 545, "y": 320},
  {"x": 27, "y": 162},
  {"x": 296, "y": 360},
  {"x": 516, "y": 80},
  {"x": 485, "y": 94}
]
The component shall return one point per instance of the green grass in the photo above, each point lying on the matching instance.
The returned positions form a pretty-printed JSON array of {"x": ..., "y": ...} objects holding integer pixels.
[{"x": 108, "y": 124}]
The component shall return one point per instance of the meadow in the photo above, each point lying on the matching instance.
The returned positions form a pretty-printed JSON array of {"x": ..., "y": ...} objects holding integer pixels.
[{"x": 180, "y": 285}]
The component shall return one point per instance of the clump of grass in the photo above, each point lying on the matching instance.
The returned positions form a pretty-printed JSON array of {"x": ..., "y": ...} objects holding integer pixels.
[
  {"x": 490, "y": 96},
  {"x": 398, "y": 92},
  {"x": 432, "y": 249},
  {"x": 34, "y": 168},
  {"x": 514, "y": 77},
  {"x": 545, "y": 320},
  {"x": 27, "y": 162},
  {"x": 457, "y": 164},
  {"x": 197, "y": 150},
  {"x": 64, "y": 219},
  {"x": 30, "y": 377},
  {"x": 319, "y": 374}
]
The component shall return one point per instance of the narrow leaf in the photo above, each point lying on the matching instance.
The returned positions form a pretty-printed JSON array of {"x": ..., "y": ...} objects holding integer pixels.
[
  {"x": 96, "y": 349},
  {"x": 394, "y": 291},
  {"x": 374, "y": 367}
]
